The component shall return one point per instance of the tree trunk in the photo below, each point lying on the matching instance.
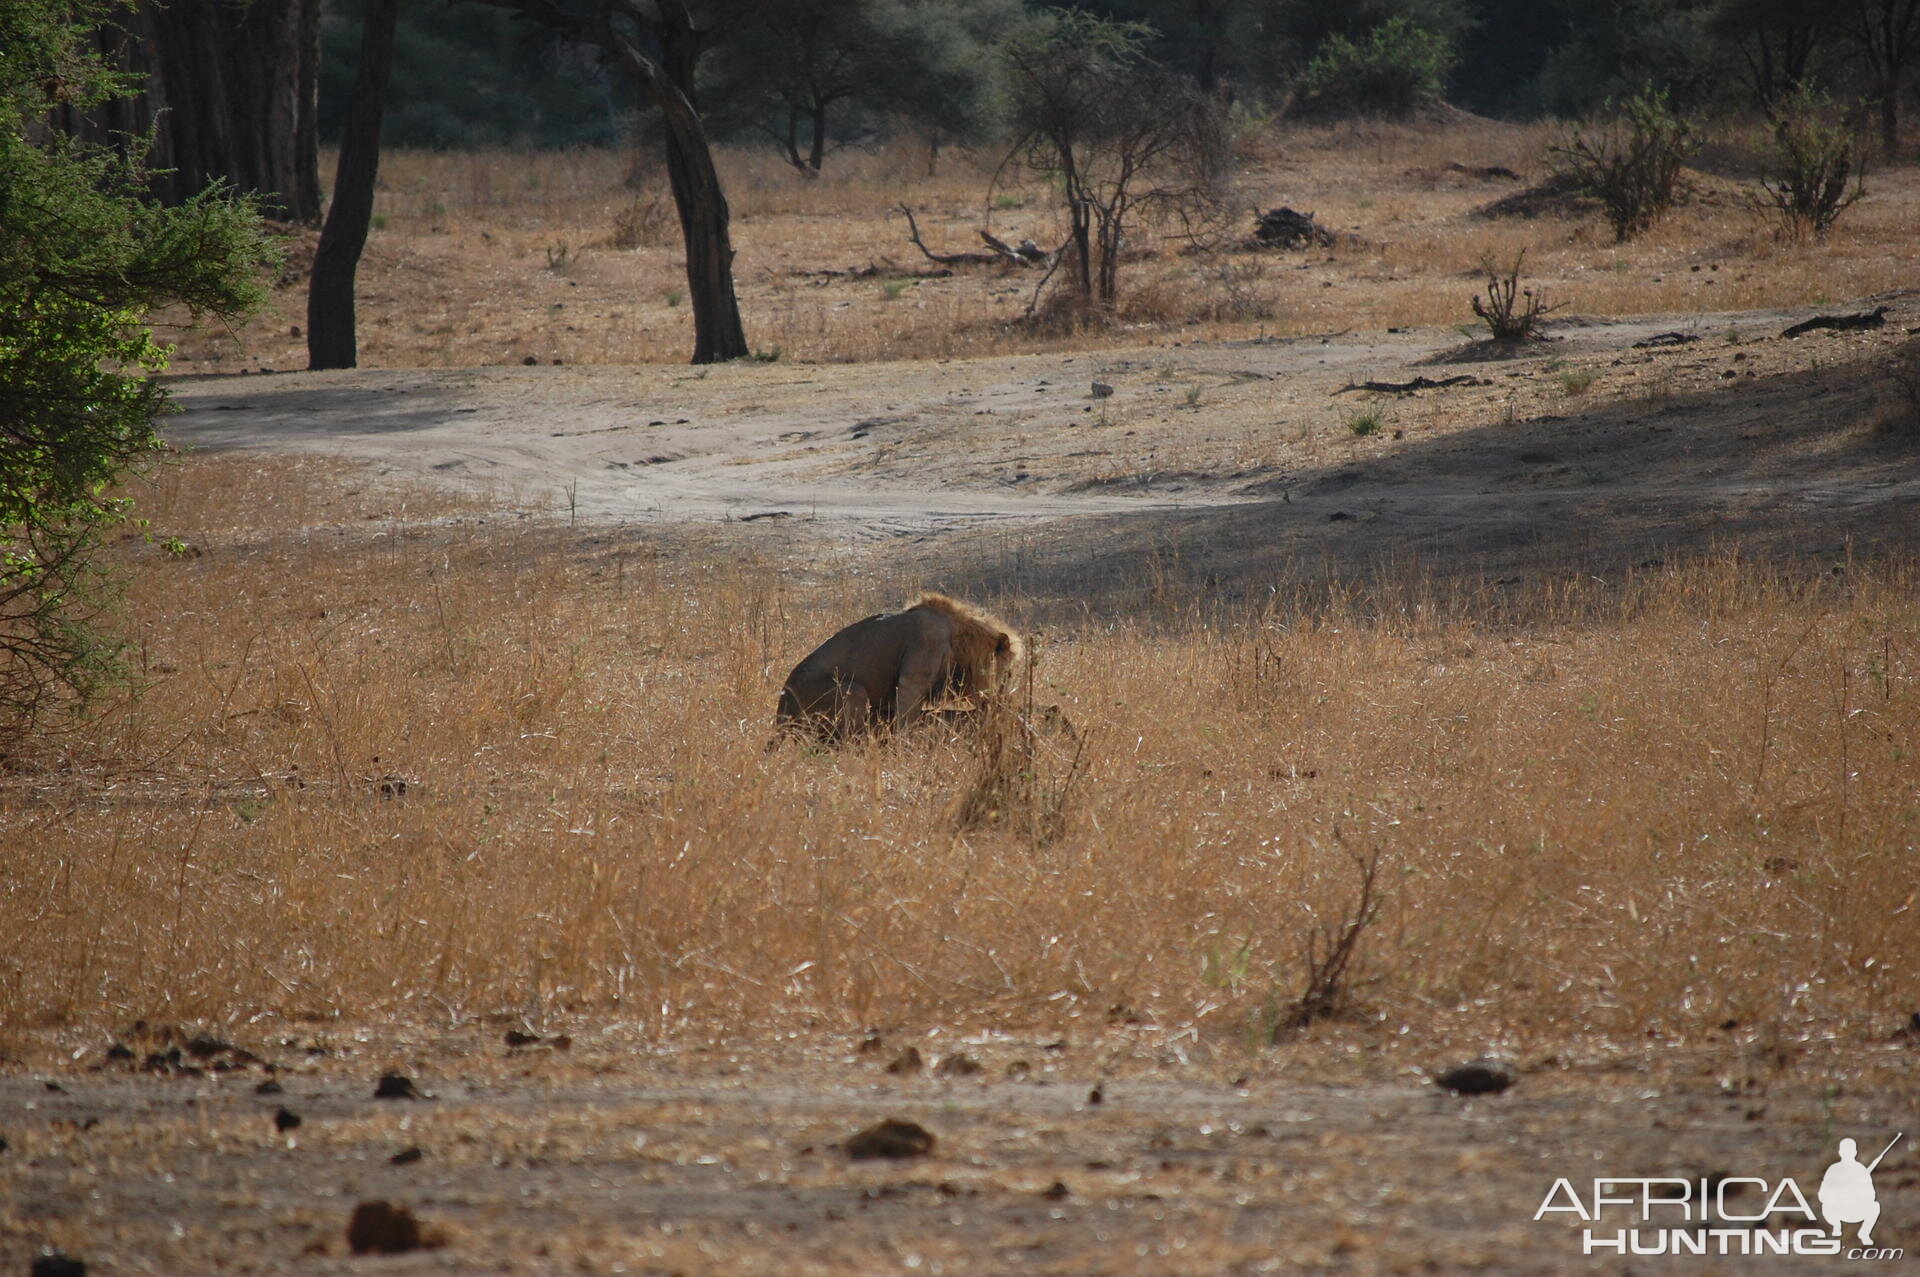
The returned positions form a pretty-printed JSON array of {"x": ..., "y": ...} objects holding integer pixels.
[
  {"x": 819, "y": 155},
  {"x": 718, "y": 334},
  {"x": 330, "y": 319},
  {"x": 666, "y": 77},
  {"x": 234, "y": 89}
]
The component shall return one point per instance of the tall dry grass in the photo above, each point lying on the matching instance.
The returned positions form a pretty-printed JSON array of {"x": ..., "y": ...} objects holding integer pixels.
[
  {"x": 386, "y": 769},
  {"x": 498, "y": 257}
]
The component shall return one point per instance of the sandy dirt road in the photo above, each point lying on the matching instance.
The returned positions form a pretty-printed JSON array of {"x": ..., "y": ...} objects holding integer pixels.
[{"x": 886, "y": 448}]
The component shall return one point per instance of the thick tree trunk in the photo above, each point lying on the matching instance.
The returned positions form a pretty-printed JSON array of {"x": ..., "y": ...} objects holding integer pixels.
[
  {"x": 234, "y": 89},
  {"x": 704, "y": 217},
  {"x": 718, "y": 334},
  {"x": 330, "y": 318}
]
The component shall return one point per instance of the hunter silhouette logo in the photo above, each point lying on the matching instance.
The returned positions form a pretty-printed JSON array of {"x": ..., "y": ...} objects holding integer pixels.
[
  {"x": 1724, "y": 1215},
  {"x": 1846, "y": 1191}
]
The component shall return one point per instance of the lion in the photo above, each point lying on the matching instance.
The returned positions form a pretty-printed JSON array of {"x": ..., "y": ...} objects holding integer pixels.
[{"x": 894, "y": 669}]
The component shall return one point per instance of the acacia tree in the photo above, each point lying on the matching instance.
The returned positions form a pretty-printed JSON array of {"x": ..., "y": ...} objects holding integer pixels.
[
  {"x": 926, "y": 62},
  {"x": 86, "y": 252},
  {"x": 1120, "y": 136},
  {"x": 660, "y": 44}
]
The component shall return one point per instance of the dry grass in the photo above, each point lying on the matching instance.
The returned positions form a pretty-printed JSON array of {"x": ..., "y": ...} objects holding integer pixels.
[
  {"x": 406, "y": 770},
  {"x": 502, "y": 257}
]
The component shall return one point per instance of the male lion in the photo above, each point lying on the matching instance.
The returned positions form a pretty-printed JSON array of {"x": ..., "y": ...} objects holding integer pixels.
[{"x": 890, "y": 670}]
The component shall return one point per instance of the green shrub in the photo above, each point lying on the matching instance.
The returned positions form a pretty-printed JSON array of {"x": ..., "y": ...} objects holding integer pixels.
[
  {"x": 1629, "y": 160},
  {"x": 1393, "y": 70},
  {"x": 1811, "y": 162},
  {"x": 86, "y": 256}
]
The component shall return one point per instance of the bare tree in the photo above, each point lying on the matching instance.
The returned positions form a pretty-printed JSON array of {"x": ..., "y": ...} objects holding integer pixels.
[
  {"x": 1888, "y": 33},
  {"x": 1121, "y": 136},
  {"x": 660, "y": 44}
]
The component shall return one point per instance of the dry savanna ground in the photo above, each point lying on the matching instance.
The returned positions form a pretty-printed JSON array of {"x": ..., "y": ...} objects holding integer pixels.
[{"x": 411, "y": 781}]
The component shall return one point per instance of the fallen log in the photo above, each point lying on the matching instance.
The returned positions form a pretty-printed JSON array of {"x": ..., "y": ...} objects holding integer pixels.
[
  {"x": 1875, "y": 318},
  {"x": 1408, "y": 387},
  {"x": 955, "y": 259},
  {"x": 1666, "y": 339}
]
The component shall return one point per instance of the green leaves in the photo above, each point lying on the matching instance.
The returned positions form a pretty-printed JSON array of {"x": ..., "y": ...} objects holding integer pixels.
[{"x": 85, "y": 255}]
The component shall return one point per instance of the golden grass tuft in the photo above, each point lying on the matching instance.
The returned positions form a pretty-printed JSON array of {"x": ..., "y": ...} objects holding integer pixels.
[{"x": 470, "y": 765}]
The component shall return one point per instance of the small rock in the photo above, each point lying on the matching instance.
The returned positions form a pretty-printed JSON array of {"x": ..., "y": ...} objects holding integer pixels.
[
  {"x": 908, "y": 1061},
  {"x": 561, "y": 1042},
  {"x": 285, "y": 1120},
  {"x": 1056, "y": 1192},
  {"x": 891, "y": 1138},
  {"x": 529, "y": 361},
  {"x": 1101, "y": 390},
  {"x": 268, "y": 1087},
  {"x": 396, "y": 1086},
  {"x": 516, "y": 1038},
  {"x": 379, "y": 1228},
  {"x": 1480, "y": 1077},
  {"x": 119, "y": 1053},
  {"x": 56, "y": 1088},
  {"x": 1098, "y": 1095},
  {"x": 957, "y": 1066},
  {"x": 407, "y": 1156},
  {"x": 51, "y": 1263},
  {"x": 1910, "y": 1031},
  {"x": 870, "y": 1043}
]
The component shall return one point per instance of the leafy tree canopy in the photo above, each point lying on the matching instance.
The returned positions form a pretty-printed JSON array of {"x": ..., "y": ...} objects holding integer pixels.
[{"x": 85, "y": 254}]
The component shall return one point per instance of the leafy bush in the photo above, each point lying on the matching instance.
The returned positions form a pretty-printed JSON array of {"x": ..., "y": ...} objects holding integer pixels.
[
  {"x": 1629, "y": 160},
  {"x": 1393, "y": 70},
  {"x": 85, "y": 255},
  {"x": 1812, "y": 160}
]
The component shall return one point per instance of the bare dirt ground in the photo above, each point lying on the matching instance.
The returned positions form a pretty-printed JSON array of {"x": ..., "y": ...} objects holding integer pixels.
[
  {"x": 1250, "y": 461},
  {"x": 1120, "y": 1152}
]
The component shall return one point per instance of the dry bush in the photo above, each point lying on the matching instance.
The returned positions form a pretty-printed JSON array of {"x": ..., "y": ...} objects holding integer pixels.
[
  {"x": 1630, "y": 160},
  {"x": 1809, "y": 166},
  {"x": 643, "y": 223},
  {"x": 399, "y": 769},
  {"x": 1899, "y": 413},
  {"x": 1511, "y": 312},
  {"x": 1025, "y": 760}
]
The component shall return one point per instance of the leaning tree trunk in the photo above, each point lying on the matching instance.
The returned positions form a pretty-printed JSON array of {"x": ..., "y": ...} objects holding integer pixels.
[
  {"x": 330, "y": 319},
  {"x": 718, "y": 334},
  {"x": 233, "y": 88},
  {"x": 717, "y": 331},
  {"x": 666, "y": 78}
]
